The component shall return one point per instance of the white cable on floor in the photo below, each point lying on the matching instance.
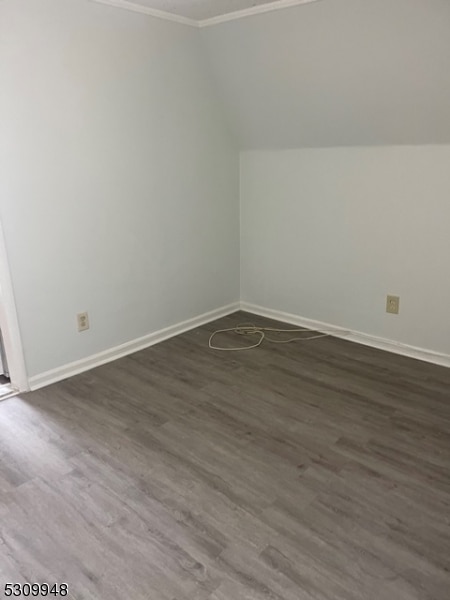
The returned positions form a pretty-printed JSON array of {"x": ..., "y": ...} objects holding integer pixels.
[{"x": 251, "y": 329}]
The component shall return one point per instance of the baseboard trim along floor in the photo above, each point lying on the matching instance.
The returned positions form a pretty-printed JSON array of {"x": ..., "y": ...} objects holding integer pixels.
[
  {"x": 351, "y": 335},
  {"x": 95, "y": 360},
  {"x": 111, "y": 354}
]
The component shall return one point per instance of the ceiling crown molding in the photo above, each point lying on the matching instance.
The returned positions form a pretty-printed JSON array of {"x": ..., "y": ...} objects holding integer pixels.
[
  {"x": 145, "y": 10},
  {"x": 238, "y": 14},
  {"x": 255, "y": 10}
]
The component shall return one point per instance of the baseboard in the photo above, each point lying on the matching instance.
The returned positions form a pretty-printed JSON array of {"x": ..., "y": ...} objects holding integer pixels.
[
  {"x": 351, "y": 335},
  {"x": 95, "y": 360}
]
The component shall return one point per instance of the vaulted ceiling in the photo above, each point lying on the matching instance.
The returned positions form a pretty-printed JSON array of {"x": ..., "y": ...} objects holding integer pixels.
[{"x": 336, "y": 72}]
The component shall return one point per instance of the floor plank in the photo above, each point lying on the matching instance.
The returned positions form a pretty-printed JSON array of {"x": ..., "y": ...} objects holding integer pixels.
[{"x": 315, "y": 470}]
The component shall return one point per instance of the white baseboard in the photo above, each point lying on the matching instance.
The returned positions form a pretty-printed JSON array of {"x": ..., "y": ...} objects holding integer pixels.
[
  {"x": 95, "y": 360},
  {"x": 348, "y": 334}
]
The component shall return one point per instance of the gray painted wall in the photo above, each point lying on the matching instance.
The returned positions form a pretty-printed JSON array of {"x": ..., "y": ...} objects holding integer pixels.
[
  {"x": 327, "y": 233},
  {"x": 336, "y": 73},
  {"x": 119, "y": 179}
]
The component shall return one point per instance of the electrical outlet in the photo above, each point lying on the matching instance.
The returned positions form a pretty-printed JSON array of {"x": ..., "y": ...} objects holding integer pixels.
[
  {"x": 393, "y": 305},
  {"x": 83, "y": 321}
]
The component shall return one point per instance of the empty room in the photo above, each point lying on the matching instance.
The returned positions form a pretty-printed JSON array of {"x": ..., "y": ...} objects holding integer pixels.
[{"x": 225, "y": 299}]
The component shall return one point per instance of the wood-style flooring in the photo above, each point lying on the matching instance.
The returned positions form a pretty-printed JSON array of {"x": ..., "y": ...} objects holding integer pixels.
[{"x": 315, "y": 470}]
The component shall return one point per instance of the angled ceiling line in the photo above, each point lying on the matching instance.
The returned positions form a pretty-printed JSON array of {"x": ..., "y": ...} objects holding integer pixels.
[
  {"x": 232, "y": 16},
  {"x": 255, "y": 10},
  {"x": 145, "y": 10}
]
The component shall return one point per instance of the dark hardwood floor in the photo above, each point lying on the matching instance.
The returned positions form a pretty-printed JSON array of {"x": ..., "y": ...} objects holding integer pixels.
[{"x": 309, "y": 471}]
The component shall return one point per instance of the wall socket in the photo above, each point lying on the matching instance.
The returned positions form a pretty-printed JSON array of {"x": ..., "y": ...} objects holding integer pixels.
[
  {"x": 83, "y": 321},
  {"x": 393, "y": 304}
]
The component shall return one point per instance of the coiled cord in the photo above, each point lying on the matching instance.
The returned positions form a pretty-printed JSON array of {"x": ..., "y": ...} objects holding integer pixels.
[{"x": 261, "y": 332}]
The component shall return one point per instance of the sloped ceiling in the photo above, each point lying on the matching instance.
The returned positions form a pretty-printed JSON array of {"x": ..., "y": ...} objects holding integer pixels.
[{"x": 336, "y": 72}]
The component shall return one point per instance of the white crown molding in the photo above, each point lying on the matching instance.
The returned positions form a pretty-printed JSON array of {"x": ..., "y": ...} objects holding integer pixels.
[
  {"x": 255, "y": 10},
  {"x": 239, "y": 14},
  {"x": 101, "y": 358},
  {"x": 366, "y": 339},
  {"x": 145, "y": 10}
]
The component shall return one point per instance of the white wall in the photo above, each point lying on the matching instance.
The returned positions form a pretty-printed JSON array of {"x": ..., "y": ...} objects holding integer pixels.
[
  {"x": 119, "y": 179},
  {"x": 336, "y": 73},
  {"x": 327, "y": 233}
]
